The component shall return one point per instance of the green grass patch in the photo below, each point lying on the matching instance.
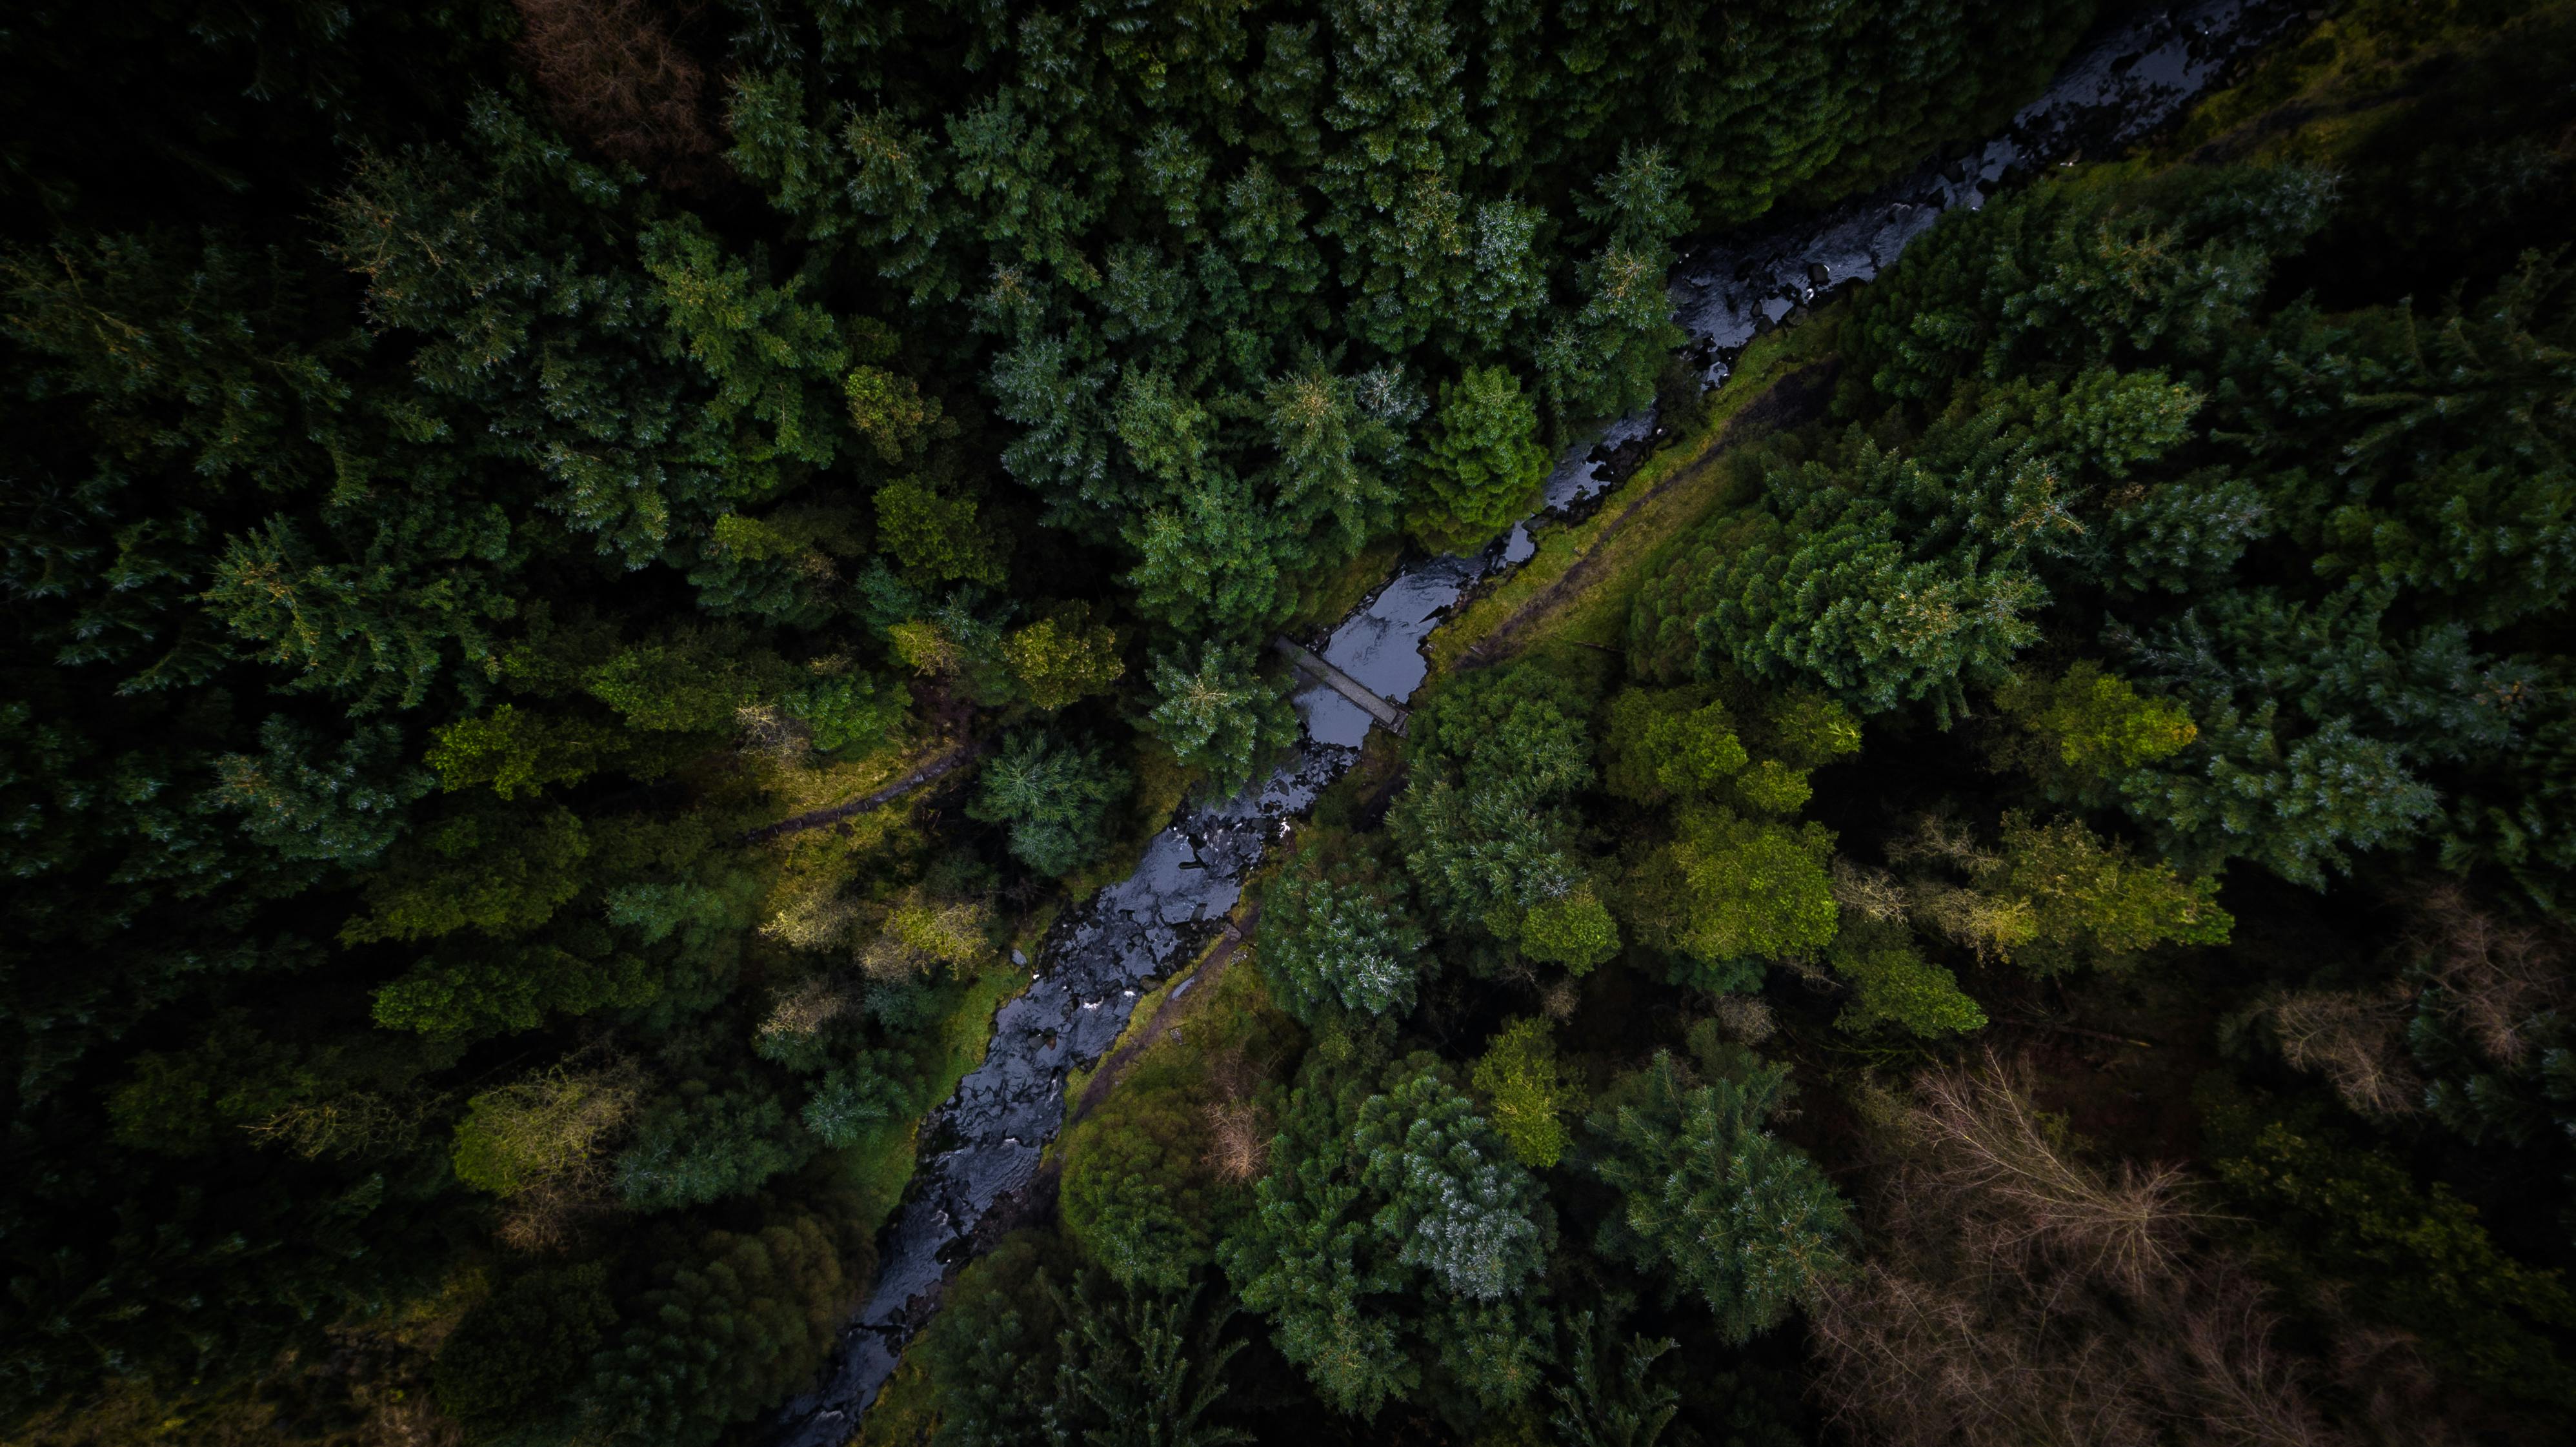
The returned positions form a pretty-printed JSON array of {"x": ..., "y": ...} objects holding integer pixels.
[{"x": 1633, "y": 525}]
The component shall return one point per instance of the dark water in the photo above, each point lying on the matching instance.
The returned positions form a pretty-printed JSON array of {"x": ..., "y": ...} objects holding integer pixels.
[{"x": 983, "y": 1144}]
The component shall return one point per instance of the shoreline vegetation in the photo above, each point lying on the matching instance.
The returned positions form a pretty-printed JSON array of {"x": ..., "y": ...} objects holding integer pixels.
[{"x": 589, "y": 578}]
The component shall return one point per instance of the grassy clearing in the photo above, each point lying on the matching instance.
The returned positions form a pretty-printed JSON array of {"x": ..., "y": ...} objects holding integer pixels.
[{"x": 1630, "y": 530}]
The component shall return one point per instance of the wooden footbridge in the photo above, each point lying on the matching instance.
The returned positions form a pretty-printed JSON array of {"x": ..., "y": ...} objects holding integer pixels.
[{"x": 1388, "y": 715}]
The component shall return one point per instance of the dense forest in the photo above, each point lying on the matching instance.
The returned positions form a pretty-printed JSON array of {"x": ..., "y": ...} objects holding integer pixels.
[{"x": 587, "y": 579}]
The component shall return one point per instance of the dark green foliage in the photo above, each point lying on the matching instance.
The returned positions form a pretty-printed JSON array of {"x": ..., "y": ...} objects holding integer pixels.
[
  {"x": 992, "y": 1353},
  {"x": 1219, "y": 715},
  {"x": 1482, "y": 824},
  {"x": 731, "y": 1326},
  {"x": 1377, "y": 1196},
  {"x": 1713, "y": 1203},
  {"x": 442, "y": 525},
  {"x": 1143, "y": 1372},
  {"x": 2332, "y": 1214},
  {"x": 503, "y": 1373},
  {"x": 1054, "y": 795},
  {"x": 1605, "y": 1405},
  {"x": 1138, "y": 1194},
  {"x": 1336, "y": 935},
  {"x": 705, "y": 1144},
  {"x": 1484, "y": 463}
]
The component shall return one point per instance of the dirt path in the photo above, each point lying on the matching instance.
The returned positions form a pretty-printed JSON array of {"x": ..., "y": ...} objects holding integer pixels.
[
  {"x": 1210, "y": 970},
  {"x": 1792, "y": 399},
  {"x": 945, "y": 764}
]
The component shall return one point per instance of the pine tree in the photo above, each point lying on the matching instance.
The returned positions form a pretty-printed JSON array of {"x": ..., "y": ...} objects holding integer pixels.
[
  {"x": 1335, "y": 936},
  {"x": 731, "y": 1327},
  {"x": 1713, "y": 1201},
  {"x": 1055, "y": 796},
  {"x": 1484, "y": 464},
  {"x": 1220, "y": 715}
]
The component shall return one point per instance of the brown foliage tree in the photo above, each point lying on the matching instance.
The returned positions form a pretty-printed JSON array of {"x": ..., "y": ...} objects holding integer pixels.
[{"x": 614, "y": 78}]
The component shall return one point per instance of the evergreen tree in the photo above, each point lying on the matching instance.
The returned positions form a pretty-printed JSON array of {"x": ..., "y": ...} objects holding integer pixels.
[
  {"x": 1484, "y": 464},
  {"x": 1055, "y": 797},
  {"x": 730, "y": 1327},
  {"x": 1220, "y": 715},
  {"x": 1711, "y": 1200},
  {"x": 1335, "y": 936}
]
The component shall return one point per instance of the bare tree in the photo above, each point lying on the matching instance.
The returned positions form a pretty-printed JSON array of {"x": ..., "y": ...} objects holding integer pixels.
[
  {"x": 2355, "y": 1040},
  {"x": 2492, "y": 979},
  {"x": 2021, "y": 1292}
]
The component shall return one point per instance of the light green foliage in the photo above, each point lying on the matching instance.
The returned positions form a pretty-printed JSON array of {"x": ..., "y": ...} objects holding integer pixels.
[
  {"x": 1220, "y": 715},
  {"x": 1663, "y": 742},
  {"x": 1063, "y": 657},
  {"x": 1573, "y": 929},
  {"x": 2093, "y": 904},
  {"x": 891, "y": 413},
  {"x": 1518, "y": 1074},
  {"x": 1809, "y": 730},
  {"x": 1711, "y": 1201},
  {"x": 729, "y": 1328},
  {"x": 545, "y": 1129},
  {"x": 1335, "y": 935},
  {"x": 1484, "y": 463},
  {"x": 1730, "y": 893},
  {"x": 1894, "y": 987},
  {"x": 935, "y": 537},
  {"x": 2089, "y": 728},
  {"x": 1055, "y": 796},
  {"x": 690, "y": 681},
  {"x": 478, "y": 989},
  {"x": 1772, "y": 787},
  {"x": 849, "y": 711},
  {"x": 516, "y": 751},
  {"x": 489, "y": 868}
]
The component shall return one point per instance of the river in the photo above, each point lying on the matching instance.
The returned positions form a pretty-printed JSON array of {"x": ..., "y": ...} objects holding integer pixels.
[{"x": 984, "y": 1142}]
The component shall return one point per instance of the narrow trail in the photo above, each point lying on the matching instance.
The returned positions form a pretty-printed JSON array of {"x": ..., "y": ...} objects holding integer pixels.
[
  {"x": 1788, "y": 401},
  {"x": 947, "y": 763},
  {"x": 1210, "y": 970}
]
